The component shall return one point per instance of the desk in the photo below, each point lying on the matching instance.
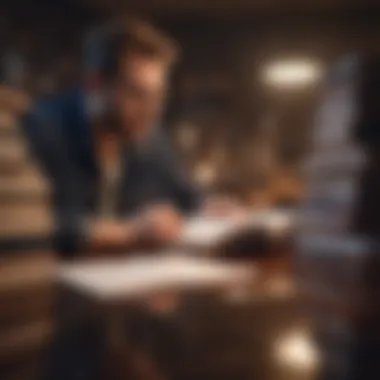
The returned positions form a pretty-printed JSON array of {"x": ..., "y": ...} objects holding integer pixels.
[
  {"x": 112, "y": 285},
  {"x": 27, "y": 296},
  {"x": 267, "y": 312}
]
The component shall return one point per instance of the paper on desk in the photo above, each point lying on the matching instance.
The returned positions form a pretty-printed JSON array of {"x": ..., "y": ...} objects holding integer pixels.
[
  {"x": 208, "y": 231},
  {"x": 138, "y": 276},
  {"x": 203, "y": 231}
]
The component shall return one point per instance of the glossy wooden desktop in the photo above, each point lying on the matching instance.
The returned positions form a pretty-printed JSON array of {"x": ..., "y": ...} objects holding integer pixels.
[
  {"x": 27, "y": 295},
  {"x": 244, "y": 332}
]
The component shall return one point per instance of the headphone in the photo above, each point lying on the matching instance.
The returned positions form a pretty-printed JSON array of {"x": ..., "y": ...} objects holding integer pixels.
[{"x": 95, "y": 58}]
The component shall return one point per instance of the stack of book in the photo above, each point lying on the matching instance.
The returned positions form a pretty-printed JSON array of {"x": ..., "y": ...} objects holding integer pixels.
[
  {"x": 338, "y": 262},
  {"x": 24, "y": 193},
  {"x": 26, "y": 286}
]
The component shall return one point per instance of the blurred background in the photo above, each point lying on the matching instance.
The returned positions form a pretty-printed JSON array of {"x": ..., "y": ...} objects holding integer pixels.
[
  {"x": 243, "y": 95},
  {"x": 241, "y": 110}
]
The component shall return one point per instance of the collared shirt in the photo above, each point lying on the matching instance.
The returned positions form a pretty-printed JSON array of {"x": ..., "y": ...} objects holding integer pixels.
[
  {"x": 110, "y": 181},
  {"x": 61, "y": 138}
]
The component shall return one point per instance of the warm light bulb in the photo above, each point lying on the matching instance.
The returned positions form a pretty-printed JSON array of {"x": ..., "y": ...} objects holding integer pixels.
[{"x": 291, "y": 74}]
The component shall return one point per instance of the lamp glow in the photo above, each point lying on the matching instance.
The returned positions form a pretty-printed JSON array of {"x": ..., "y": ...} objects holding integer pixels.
[{"x": 292, "y": 74}]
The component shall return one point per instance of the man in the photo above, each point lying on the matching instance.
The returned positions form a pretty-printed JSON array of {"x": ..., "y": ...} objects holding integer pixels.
[
  {"x": 114, "y": 179},
  {"x": 115, "y": 182}
]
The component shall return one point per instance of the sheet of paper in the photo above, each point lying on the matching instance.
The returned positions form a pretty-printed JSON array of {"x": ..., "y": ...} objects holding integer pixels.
[
  {"x": 132, "y": 277},
  {"x": 202, "y": 231}
]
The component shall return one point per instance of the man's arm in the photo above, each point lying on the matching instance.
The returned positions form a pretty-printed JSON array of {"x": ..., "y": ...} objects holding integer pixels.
[
  {"x": 186, "y": 196},
  {"x": 48, "y": 146}
]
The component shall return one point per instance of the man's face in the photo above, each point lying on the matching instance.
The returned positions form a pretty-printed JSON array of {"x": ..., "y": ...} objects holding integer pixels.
[{"x": 138, "y": 93}]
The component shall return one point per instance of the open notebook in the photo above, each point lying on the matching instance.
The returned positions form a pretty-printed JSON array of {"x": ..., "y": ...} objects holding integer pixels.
[
  {"x": 133, "y": 277},
  {"x": 208, "y": 231}
]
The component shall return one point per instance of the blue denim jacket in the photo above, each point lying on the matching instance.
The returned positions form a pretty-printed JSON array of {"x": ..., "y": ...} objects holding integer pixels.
[{"x": 60, "y": 137}]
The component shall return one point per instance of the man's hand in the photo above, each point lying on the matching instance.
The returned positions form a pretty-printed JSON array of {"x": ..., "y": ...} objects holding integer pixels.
[
  {"x": 160, "y": 223},
  {"x": 106, "y": 234}
]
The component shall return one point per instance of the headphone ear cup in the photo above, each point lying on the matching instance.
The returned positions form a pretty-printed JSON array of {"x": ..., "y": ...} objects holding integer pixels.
[
  {"x": 99, "y": 109},
  {"x": 96, "y": 104}
]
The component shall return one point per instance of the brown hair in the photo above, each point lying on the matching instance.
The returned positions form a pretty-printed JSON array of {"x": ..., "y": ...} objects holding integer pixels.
[{"x": 135, "y": 37}]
